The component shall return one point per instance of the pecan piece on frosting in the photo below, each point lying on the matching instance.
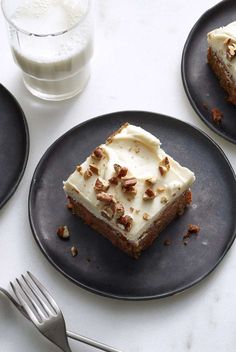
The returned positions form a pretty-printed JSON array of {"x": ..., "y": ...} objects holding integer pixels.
[
  {"x": 146, "y": 216},
  {"x": 97, "y": 153},
  {"x": 113, "y": 180},
  {"x": 108, "y": 211},
  {"x": 230, "y": 49},
  {"x": 151, "y": 180},
  {"x": 87, "y": 174},
  {"x": 164, "y": 166},
  {"x": 128, "y": 182},
  {"x": 119, "y": 210},
  {"x": 126, "y": 222},
  {"x": 101, "y": 185},
  {"x": 94, "y": 169},
  {"x": 149, "y": 194},
  {"x": 106, "y": 197},
  {"x": 121, "y": 171}
]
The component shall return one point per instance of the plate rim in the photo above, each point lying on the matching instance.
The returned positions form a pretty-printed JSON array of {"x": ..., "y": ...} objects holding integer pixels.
[
  {"x": 184, "y": 79},
  {"x": 101, "y": 292},
  {"x": 26, "y": 157}
]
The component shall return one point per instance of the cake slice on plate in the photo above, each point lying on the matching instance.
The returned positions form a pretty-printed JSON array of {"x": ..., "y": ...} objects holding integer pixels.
[
  {"x": 222, "y": 57},
  {"x": 129, "y": 189}
]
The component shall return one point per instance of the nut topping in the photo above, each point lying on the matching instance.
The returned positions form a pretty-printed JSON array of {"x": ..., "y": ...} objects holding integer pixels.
[
  {"x": 230, "y": 49},
  {"x": 160, "y": 189},
  {"x": 105, "y": 197},
  {"x": 149, "y": 194},
  {"x": 108, "y": 211},
  {"x": 63, "y": 232},
  {"x": 119, "y": 210},
  {"x": 146, "y": 216},
  {"x": 121, "y": 171},
  {"x": 79, "y": 169},
  {"x": 88, "y": 173},
  {"x": 151, "y": 180},
  {"x": 101, "y": 185},
  {"x": 113, "y": 180},
  {"x": 128, "y": 182},
  {"x": 97, "y": 153},
  {"x": 164, "y": 166},
  {"x": 94, "y": 169},
  {"x": 126, "y": 221},
  {"x": 164, "y": 200}
]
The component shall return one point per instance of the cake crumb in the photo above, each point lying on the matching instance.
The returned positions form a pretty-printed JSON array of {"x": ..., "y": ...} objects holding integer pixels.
[
  {"x": 192, "y": 229},
  {"x": 217, "y": 116},
  {"x": 167, "y": 242},
  {"x": 63, "y": 232},
  {"x": 74, "y": 251}
]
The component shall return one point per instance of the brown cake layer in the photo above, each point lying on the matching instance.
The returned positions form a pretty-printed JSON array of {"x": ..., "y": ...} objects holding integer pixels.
[
  {"x": 224, "y": 76},
  {"x": 146, "y": 239}
]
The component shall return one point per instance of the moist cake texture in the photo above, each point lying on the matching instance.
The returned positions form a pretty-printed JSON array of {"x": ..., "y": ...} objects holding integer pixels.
[
  {"x": 221, "y": 57},
  {"x": 129, "y": 189}
]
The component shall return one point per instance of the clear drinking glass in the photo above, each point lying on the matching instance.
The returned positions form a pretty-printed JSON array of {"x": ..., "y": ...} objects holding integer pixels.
[{"x": 52, "y": 43}]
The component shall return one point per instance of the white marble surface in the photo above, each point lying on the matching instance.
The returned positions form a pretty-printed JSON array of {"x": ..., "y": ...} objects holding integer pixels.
[{"x": 136, "y": 66}]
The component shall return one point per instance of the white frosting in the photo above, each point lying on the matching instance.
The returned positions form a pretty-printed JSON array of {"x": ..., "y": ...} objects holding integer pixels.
[
  {"x": 140, "y": 152},
  {"x": 216, "y": 40}
]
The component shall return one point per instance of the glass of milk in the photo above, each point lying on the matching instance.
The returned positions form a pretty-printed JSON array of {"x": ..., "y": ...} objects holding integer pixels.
[{"x": 52, "y": 42}]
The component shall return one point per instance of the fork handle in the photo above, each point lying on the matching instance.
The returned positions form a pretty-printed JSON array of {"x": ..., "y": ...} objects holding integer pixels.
[{"x": 91, "y": 342}]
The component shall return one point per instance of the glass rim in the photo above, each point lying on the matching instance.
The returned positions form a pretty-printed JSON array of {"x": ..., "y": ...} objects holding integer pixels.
[{"x": 46, "y": 34}]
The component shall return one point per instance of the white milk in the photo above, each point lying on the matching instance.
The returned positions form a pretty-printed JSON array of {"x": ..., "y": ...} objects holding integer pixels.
[{"x": 54, "y": 66}]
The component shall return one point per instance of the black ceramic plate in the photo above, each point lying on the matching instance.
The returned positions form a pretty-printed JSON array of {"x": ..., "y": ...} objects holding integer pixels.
[
  {"x": 201, "y": 85},
  {"x": 161, "y": 270},
  {"x": 14, "y": 144}
]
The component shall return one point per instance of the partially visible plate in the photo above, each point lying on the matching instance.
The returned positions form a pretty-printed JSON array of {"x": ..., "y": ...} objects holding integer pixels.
[
  {"x": 14, "y": 144},
  {"x": 201, "y": 85},
  {"x": 161, "y": 270}
]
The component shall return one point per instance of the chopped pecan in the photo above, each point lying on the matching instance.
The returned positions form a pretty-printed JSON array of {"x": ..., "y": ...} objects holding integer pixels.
[
  {"x": 164, "y": 200},
  {"x": 101, "y": 185},
  {"x": 106, "y": 197},
  {"x": 146, "y": 216},
  {"x": 126, "y": 221},
  {"x": 151, "y": 180},
  {"x": 230, "y": 49},
  {"x": 128, "y": 182},
  {"x": 121, "y": 171},
  {"x": 97, "y": 153},
  {"x": 108, "y": 211},
  {"x": 160, "y": 189},
  {"x": 113, "y": 180},
  {"x": 79, "y": 168},
  {"x": 63, "y": 232},
  {"x": 87, "y": 174},
  {"x": 94, "y": 169},
  {"x": 164, "y": 166},
  {"x": 119, "y": 209},
  {"x": 149, "y": 194}
]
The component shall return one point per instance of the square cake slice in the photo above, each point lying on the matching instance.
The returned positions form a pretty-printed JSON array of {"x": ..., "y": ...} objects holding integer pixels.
[
  {"x": 129, "y": 189},
  {"x": 221, "y": 57}
]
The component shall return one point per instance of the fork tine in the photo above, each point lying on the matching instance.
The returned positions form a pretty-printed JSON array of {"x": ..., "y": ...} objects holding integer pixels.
[
  {"x": 24, "y": 305},
  {"x": 45, "y": 293},
  {"x": 41, "y": 302},
  {"x": 32, "y": 301}
]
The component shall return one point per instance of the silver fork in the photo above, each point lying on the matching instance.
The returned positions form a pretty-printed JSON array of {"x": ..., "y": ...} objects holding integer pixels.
[{"x": 45, "y": 313}]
